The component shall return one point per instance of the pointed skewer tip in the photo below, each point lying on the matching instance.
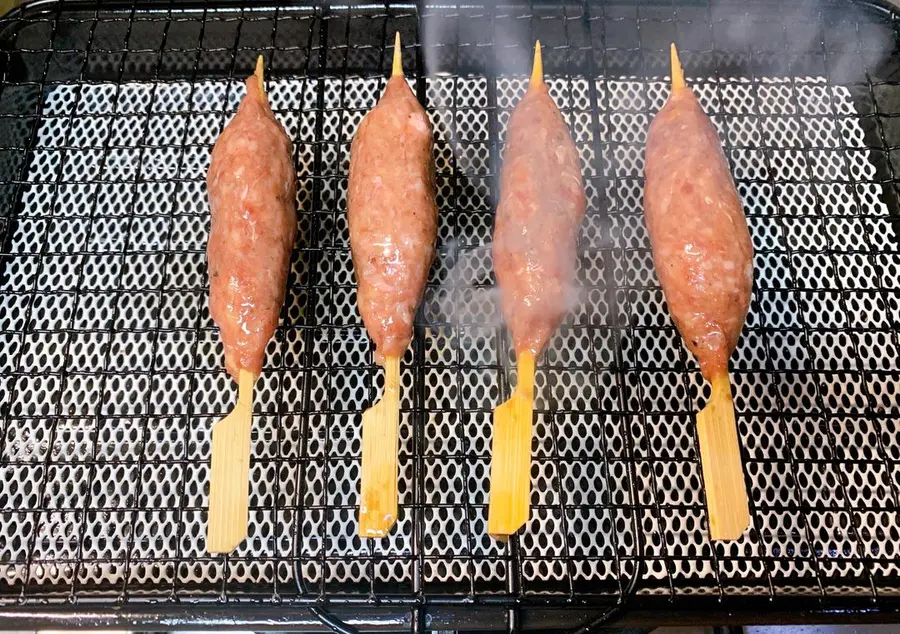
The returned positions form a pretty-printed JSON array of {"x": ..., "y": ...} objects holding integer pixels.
[
  {"x": 537, "y": 69},
  {"x": 260, "y": 69},
  {"x": 397, "y": 69},
  {"x": 677, "y": 70}
]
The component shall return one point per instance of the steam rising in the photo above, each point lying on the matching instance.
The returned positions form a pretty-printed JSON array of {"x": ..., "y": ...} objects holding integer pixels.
[
  {"x": 748, "y": 62},
  {"x": 468, "y": 295}
]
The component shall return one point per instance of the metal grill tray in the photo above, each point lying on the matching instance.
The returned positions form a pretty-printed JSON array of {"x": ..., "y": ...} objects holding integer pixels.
[{"x": 111, "y": 370}]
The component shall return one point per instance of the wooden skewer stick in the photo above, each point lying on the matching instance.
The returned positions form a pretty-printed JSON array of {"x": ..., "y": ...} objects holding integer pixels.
[
  {"x": 380, "y": 444},
  {"x": 260, "y": 68},
  {"x": 537, "y": 68},
  {"x": 229, "y": 496},
  {"x": 397, "y": 67},
  {"x": 230, "y": 473},
  {"x": 720, "y": 452},
  {"x": 511, "y": 448},
  {"x": 380, "y": 432},
  {"x": 720, "y": 456},
  {"x": 677, "y": 70},
  {"x": 511, "y": 456}
]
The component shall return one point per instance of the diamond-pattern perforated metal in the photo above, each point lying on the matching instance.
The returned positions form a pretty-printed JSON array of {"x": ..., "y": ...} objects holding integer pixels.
[{"x": 111, "y": 369}]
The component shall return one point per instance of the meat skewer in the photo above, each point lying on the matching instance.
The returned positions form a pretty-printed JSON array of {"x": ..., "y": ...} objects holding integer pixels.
[
  {"x": 704, "y": 258},
  {"x": 542, "y": 204},
  {"x": 392, "y": 216},
  {"x": 251, "y": 183}
]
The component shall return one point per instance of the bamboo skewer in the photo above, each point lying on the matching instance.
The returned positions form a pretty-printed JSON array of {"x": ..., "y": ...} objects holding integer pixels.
[
  {"x": 537, "y": 67},
  {"x": 397, "y": 66},
  {"x": 511, "y": 455},
  {"x": 510, "y": 478},
  {"x": 259, "y": 75},
  {"x": 720, "y": 456},
  {"x": 380, "y": 444},
  {"x": 229, "y": 497},
  {"x": 677, "y": 70},
  {"x": 720, "y": 452},
  {"x": 380, "y": 432},
  {"x": 230, "y": 472}
]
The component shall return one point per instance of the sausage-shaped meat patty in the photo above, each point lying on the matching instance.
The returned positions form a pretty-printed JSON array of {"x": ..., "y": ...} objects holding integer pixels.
[
  {"x": 251, "y": 183},
  {"x": 393, "y": 227},
  {"x": 704, "y": 259},
  {"x": 698, "y": 231},
  {"x": 251, "y": 198},
  {"x": 392, "y": 215},
  {"x": 541, "y": 207}
]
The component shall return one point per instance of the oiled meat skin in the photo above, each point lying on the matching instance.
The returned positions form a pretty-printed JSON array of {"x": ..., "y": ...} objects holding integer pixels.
[
  {"x": 392, "y": 216},
  {"x": 251, "y": 184},
  {"x": 541, "y": 207},
  {"x": 698, "y": 231}
]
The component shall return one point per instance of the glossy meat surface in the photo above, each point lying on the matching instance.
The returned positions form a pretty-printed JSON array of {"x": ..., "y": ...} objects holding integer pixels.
[
  {"x": 392, "y": 216},
  {"x": 251, "y": 184},
  {"x": 541, "y": 207},
  {"x": 698, "y": 231}
]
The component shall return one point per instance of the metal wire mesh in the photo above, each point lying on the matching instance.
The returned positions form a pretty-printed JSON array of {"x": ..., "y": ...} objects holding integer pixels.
[{"x": 111, "y": 370}]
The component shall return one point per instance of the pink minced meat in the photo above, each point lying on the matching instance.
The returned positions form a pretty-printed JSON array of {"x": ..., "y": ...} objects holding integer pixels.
[
  {"x": 542, "y": 204},
  {"x": 251, "y": 183},
  {"x": 392, "y": 216},
  {"x": 701, "y": 244}
]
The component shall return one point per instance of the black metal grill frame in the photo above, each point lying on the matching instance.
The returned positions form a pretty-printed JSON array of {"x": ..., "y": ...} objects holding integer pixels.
[{"x": 47, "y": 45}]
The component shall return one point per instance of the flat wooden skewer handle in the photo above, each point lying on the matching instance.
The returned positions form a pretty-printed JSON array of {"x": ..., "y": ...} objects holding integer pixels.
[
  {"x": 230, "y": 472},
  {"x": 380, "y": 444},
  {"x": 511, "y": 456},
  {"x": 720, "y": 455}
]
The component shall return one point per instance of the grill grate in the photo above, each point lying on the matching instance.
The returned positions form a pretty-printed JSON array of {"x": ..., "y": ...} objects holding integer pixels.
[{"x": 111, "y": 371}]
